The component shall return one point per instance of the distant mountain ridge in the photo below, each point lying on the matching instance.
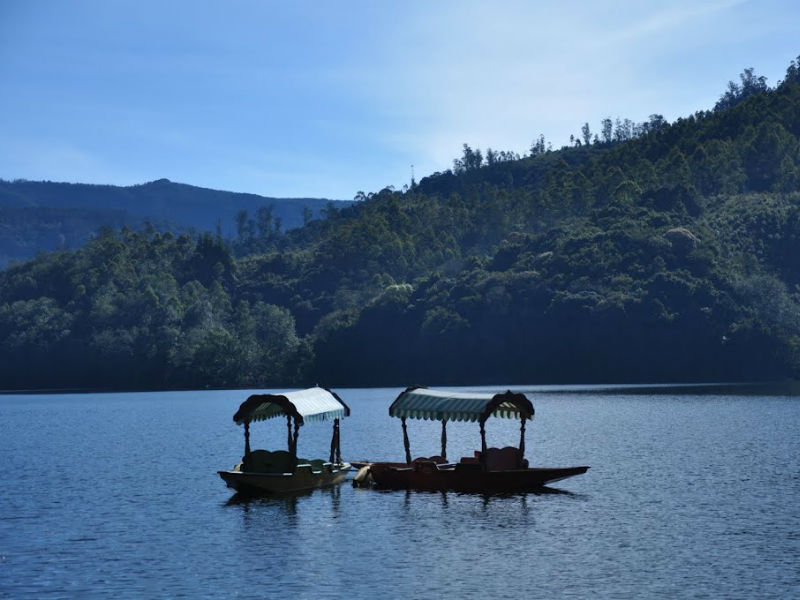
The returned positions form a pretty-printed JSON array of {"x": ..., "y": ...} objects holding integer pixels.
[
  {"x": 669, "y": 253},
  {"x": 40, "y": 216}
]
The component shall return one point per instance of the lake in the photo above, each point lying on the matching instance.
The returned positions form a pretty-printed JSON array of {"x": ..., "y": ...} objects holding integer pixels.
[{"x": 692, "y": 493}]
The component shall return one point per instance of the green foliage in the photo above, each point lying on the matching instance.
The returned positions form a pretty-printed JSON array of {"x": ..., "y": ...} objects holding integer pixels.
[
  {"x": 650, "y": 252},
  {"x": 736, "y": 93},
  {"x": 793, "y": 73},
  {"x": 138, "y": 310}
]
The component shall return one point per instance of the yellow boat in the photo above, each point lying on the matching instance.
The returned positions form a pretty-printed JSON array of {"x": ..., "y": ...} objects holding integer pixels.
[{"x": 281, "y": 471}]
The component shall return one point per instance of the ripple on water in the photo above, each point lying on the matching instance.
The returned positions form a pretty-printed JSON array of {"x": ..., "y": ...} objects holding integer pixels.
[{"x": 116, "y": 495}]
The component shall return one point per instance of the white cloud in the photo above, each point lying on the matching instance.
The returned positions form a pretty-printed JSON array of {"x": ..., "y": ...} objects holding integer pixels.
[
  {"x": 498, "y": 75},
  {"x": 670, "y": 18}
]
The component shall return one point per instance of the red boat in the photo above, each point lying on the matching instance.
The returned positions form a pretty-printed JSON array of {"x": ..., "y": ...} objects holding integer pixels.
[{"x": 489, "y": 470}]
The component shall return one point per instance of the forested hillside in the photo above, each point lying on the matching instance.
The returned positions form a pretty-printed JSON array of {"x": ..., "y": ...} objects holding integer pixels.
[
  {"x": 38, "y": 216},
  {"x": 646, "y": 252}
]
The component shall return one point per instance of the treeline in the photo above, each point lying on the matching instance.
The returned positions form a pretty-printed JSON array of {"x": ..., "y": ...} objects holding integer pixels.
[
  {"x": 140, "y": 309},
  {"x": 669, "y": 255},
  {"x": 27, "y": 230},
  {"x": 611, "y": 132}
]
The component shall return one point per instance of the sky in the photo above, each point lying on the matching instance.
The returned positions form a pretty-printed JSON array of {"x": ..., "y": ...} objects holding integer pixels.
[{"x": 326, "y": 99}]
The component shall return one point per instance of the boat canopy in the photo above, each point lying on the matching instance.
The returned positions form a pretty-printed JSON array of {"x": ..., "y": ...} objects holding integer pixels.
[
  {"x": 442, "y": 405},
  {"x": 306, "y": 406}
]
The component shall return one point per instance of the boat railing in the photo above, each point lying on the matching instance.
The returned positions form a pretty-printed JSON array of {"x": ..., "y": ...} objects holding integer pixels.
[{"x": 434, "y": 459}]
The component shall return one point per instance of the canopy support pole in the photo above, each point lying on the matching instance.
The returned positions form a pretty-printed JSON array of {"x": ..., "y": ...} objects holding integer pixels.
[
  {"x": 246, "y": 439},
  {"x": 522, "y": 440},
  {"x": 406, "y": 443},
  {"x": 294, "y": 439},
  {"x": 483, "y": 437},
  {"x": 336, "y": 450},
  {"x": 333, "y": 440},
  {"x": 338, "y": 442},
  {"x": 289, "y": 432},
  {"x": 444, "y": 439}
]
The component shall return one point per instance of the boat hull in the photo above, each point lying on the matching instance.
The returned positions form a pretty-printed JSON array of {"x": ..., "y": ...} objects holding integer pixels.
[
  {"x": 466, "y": 478},
  {"x": 280, "y": 483}
]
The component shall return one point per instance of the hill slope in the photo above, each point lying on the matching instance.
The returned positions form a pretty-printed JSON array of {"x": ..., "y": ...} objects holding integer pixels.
[
  {"x": 39, "y": 216},
  {"x": 670, "y": 254}
]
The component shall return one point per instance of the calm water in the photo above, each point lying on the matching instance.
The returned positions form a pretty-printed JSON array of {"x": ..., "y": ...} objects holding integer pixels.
[{"x": 688, "y": 496}]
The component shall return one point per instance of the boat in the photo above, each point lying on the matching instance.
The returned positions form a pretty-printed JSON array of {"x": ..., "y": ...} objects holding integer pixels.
[
  {"x": 490, "y": 470},
  {"x": 282, "y": 471}
]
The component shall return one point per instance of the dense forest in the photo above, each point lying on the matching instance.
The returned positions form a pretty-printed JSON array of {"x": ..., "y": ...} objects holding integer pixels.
[
  {"x": 38, "y": 216},
  {"x": 644, "y": 252}
]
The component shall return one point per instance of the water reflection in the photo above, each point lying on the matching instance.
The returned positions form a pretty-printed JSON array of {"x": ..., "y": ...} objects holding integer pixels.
[
  {"x": 502, "y": 500},
  {"x": 286, "y": 503},
  {"x": 485, "y": 496},
  {"x": 703, "y": 477},
  {"x": 413, "y": 500}
]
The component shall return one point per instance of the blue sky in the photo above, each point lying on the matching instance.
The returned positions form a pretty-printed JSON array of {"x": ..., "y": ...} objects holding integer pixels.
[{"x": 325, "y": 99}]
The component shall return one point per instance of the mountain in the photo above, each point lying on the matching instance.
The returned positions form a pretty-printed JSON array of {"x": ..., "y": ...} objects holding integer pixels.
[
  {"x": 651, "y": 252},
  {"x": 39, "y": 216}
]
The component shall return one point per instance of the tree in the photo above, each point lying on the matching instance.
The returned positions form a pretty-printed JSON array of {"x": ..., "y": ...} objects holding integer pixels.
[
  {"x": 674, "y": 169},
  {"x": 586, "y": 134},
  {"x": 793, "y": 73},
  {"x": 717, "y": 168},
  {"x": 469, "y": 161},
  {"x": 655, "y": 124},
  {"x": 538, "y": 146},
  {"x": 765, "y": 157},
  {"x": 245, "y": 228},
  {"x": 211, "y": 261},
  {"x": 606, "y": 129},
  {"x": 624, "y": 130},
  {"x": 264, "y": 220},
  {"x": 737, "y": 93}
]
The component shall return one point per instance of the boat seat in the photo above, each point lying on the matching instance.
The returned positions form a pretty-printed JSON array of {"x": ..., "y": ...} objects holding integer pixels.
[
  {"x": 264, "y": 461},
  {"x": 504, "y": 459},
  {"x": 434, "y": 459},
  {"x": 425, "y": 466},
  {"x": 317, "y": 464}
]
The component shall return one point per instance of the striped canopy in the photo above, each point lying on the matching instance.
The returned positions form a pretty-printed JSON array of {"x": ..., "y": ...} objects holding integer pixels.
[
  {"x": 440, "y": 405},
  {"x": 307, "y": 406}
]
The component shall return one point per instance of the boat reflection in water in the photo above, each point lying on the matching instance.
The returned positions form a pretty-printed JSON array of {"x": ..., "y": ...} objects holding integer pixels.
[{"x": 287, "y": 504}]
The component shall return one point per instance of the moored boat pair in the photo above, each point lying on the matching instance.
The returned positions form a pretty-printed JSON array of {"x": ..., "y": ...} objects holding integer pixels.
[{"x": 488, "y": 470}]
